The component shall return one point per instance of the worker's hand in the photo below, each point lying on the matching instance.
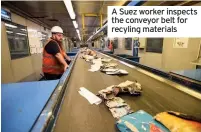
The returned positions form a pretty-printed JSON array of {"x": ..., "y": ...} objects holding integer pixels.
[{"x": 65, "y": 67}]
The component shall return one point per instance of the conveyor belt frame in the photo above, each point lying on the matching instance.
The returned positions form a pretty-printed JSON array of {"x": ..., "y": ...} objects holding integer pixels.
[
  {"x": 47, "y": 118},
  {"x": 187, "y": 83}
]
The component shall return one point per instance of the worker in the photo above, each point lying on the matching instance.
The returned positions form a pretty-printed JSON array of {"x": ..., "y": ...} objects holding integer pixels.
[
  {"x": 102, "y": 44},
  {"x": 54, "y": 63},
  {"x": 111, "y": 46}
]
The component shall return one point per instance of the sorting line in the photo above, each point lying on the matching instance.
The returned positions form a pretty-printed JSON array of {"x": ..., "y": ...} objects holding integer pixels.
[{"x": 166, "y": 81}]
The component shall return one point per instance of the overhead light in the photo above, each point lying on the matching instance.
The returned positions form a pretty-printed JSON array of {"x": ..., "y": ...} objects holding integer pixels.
[
  {"x": 9, "y": 31},
  {"x": 23, "y": 29},
  {"x": 21, "y": 34},
  {"x": 79, "y": 36},
  {"x": 39, "y": 33},
  {"x": 69, "y": 7},
  {"x": 75, "y": 24},
  {"x": 11, "y": 26},
  {"x": 78, "y": 32},
  {"x": 32, "y": 30}
]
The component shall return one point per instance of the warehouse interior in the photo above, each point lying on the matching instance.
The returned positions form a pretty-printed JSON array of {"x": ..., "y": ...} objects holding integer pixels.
[{"x": 170, "y": 75}]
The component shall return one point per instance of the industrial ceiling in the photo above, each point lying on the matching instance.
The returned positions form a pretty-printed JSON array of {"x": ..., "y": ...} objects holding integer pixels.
[
  {"x": 55, "y": 13},
  {"x": 51, "y": 13}
]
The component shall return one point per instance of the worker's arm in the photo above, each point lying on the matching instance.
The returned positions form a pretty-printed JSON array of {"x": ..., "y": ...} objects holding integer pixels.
[
  {"x": 67, "y": 57},
  {"x": 60, "y": 58}
]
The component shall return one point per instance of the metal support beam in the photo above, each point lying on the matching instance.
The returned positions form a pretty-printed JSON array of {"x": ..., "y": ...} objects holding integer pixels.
[
  {"x": 133, "y": 3},
  {"x": 83, "y": 27},
  {"x": 101, "y": 20},
  {"x": 91, "y": 15},
  {"x": 83, "y": 24}
]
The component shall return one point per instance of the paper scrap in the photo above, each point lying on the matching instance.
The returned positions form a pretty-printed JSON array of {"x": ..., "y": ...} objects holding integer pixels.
[
  {"x": 118, "y": 72},
  {"x": 110, "y": 70},
  {"x": 80, "y": 92},
  {"x": 92, "y": 98},
  {"x": 106, "y": 60},
  {"x": 94, "y": 68},
  {"x": 96, "y": 65}
]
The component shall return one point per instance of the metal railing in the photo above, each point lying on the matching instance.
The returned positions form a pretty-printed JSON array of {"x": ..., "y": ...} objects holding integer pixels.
[{"x": 48, "y": 116}]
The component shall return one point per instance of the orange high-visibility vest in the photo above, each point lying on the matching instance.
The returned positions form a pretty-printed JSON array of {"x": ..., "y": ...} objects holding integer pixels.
[{"x": 50, "y": 64}]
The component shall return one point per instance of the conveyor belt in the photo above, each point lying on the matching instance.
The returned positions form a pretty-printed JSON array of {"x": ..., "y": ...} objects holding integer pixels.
[
  {"x": 23, "y": 102},
  {"x": 77, "y": 115}
]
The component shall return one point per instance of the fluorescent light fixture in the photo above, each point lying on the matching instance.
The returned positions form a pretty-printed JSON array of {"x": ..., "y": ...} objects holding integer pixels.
[
  {"x": 79, "y": 36},
  {"x": 32, "y": 30},
  {"x": 69, "y": 7},
  {"x": 11, "y": 26},
  {"x": 78, "y": 32},
  {"x": 9, "y": 31},
  {"x": 23, "y": 29},
  {"x": 39, "y": 33},
  {"x": 75, "y": 24},
  {"x": 21, "y": 34}
]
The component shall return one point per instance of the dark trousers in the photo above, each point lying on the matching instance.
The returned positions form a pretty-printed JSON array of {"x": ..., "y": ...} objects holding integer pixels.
[{"x": 52, "y": 76}]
